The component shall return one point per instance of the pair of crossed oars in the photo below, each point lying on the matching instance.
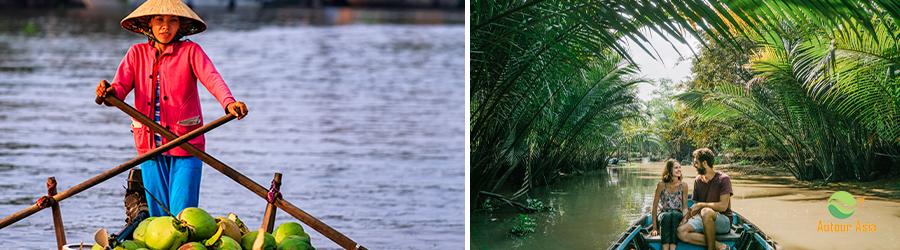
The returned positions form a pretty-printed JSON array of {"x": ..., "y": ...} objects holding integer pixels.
[{"x": 279, "y": 202}]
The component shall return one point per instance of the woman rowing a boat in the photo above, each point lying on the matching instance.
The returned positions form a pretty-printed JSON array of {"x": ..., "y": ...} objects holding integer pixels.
[
  {"x": 670, "y": 200},
  {"x": 163, "y": 74}
]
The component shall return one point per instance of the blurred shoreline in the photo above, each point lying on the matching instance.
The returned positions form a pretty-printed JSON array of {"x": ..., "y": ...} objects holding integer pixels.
[
  {"x": 231, "y": 5},
  {"x": 43, "y": 22}
]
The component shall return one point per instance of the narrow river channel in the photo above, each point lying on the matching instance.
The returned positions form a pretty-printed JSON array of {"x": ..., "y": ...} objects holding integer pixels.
[
  {"x": 591, "y": 210},
  {"x": 594, "y": 208}
]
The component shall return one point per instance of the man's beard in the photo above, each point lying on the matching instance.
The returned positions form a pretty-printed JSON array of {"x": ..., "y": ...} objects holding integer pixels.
[{"x": 701, "y": 171}]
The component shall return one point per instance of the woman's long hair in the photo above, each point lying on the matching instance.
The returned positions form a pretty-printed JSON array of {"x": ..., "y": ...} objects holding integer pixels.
[{"x": 669, "y": 171}]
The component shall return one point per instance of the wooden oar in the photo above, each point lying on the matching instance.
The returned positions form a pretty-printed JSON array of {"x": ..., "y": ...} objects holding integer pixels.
[
  {"x": 117, "y": 170},
  {"x": 254, "y": 187}
]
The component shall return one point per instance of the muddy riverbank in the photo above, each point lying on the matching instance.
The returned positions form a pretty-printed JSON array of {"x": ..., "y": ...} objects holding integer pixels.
[{"x": 885, "y": 187}]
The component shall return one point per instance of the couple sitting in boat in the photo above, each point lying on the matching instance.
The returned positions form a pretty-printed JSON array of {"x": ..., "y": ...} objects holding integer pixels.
[{"x": 710, "y": 214}]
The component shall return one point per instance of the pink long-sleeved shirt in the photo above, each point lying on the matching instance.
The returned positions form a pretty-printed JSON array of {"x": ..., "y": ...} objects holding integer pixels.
[{"x": 180, "y": 66}]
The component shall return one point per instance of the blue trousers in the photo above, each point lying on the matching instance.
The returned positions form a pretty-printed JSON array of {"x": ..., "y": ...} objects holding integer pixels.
[{"x": 174, "y": 181}]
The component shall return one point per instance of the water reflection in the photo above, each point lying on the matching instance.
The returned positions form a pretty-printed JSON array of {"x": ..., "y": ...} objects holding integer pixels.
[{"x": 591, "y": 210}]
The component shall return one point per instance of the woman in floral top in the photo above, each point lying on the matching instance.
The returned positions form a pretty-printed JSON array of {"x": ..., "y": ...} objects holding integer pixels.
[{"x": 670, "y": 201}]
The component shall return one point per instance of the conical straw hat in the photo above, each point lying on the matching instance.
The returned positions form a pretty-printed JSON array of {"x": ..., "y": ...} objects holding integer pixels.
[{"x": 135, "y": 23}]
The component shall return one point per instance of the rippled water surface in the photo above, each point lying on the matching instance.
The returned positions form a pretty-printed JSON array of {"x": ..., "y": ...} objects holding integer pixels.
[
  {"x": 361, "y": 110},
  {"x": 590, "y": 211}
]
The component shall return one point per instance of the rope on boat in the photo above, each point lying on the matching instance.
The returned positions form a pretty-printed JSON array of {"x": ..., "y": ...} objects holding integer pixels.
[
  {"x": 274, "y": 191},
  {"x": 47, "y": 200}
]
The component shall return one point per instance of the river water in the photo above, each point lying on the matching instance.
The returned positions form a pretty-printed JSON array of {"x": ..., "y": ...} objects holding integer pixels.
[
  {"x": 591, "y": 210},
  {"x": 361, "y": 110},
  {"x": 594, "y": 208}
]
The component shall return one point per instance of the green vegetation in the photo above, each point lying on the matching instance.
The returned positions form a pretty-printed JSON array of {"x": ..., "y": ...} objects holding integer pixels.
[
  {"x": 825, "y": 102},
  {"x": 546, "y": 107},
  {"x": 526, "y": 226},
  {"x": 486, "y": 206},
  {"x": 552, "y": 86},
  {"x": 30, "y": 29},
  {"x": 537, "y": 205},
  {"x": 660, "y": 110}
]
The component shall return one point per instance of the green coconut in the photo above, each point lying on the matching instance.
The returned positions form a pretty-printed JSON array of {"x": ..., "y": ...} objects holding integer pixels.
[
  {"x": 229, "y": 228},
  {"x": 295, "y": 242},
  {"x": 165, "y": 233},
  {"x": 141, "y": 230},
  {"x": 192, "y": 246},
  {"x": 248, "y": 239},
  {"x": 305, "y": 238},
  {"x": 287, "y": 229},
  {"x": 129, "y": 245},
  {"x": 203, "y": 224},
  {"x": 226, "y": 242}
]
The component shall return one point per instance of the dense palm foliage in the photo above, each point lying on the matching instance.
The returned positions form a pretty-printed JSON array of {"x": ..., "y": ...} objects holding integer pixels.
[
  {"x": 566, "y": 124},
  {"x": 825, "y": 100},
  {"x": 551, "y": 83},
  {"x": 546, "y": 97}
]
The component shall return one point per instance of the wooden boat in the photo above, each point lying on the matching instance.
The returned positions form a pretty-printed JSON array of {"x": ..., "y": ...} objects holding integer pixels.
[
  {"x": 744, "y": 235},
  {"x": 272, "y": 196}
]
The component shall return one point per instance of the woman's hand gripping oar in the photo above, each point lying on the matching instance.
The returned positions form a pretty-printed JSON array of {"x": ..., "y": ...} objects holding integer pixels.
[{"x": 102, "y": 90}]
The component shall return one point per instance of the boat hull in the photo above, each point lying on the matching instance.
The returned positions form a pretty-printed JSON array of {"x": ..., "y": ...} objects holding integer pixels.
[{"x": 744, "y": 235}]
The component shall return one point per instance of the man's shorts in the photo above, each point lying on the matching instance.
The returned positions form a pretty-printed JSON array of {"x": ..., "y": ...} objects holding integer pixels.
[{"x": 723, "y": 224}]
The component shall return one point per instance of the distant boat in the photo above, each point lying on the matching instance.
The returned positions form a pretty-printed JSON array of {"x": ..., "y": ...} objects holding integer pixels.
[
  {"x": 43, "y": 4},
  {"x": 408, "y": 3}
]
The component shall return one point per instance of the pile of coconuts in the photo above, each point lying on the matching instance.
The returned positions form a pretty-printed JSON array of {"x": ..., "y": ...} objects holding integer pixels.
[{"x": 195, "y": 229}]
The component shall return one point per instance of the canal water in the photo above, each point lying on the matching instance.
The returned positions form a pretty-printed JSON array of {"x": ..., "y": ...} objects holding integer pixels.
[
  {"x": 361, "y": 110},
  {"x": 591, "y": 210}
]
